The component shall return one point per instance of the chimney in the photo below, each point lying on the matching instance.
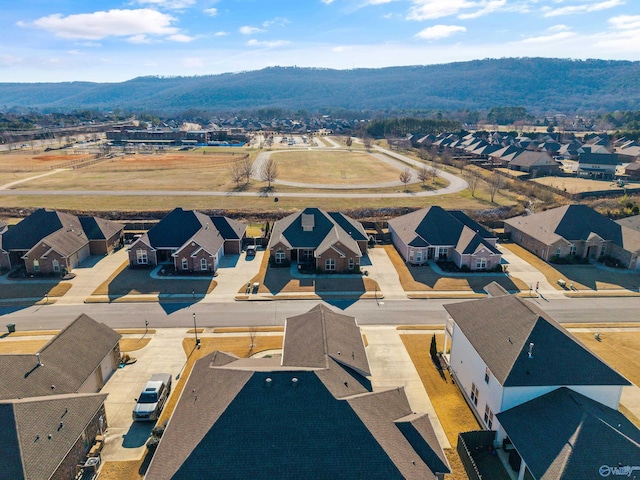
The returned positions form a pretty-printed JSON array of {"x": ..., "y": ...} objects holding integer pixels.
[
  {"x": 40, "y": 364},
  {"x": 531, "y": 350}
]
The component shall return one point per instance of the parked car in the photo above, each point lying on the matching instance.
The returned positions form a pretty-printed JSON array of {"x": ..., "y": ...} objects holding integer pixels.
[
  {"x": 153, "y": 398},
  {"x": 251, "y": 250}
]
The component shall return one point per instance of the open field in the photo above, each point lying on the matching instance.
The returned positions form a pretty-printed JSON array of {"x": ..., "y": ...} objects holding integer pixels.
[
  {"x": 619, "y": 349},
  {"x": 578, "y": 185},
  {"x": 35, "y": 162},
  {"x": 333, "y": 167}
]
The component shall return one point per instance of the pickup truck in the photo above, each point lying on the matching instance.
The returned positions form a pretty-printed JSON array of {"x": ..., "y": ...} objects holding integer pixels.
[{"x": 153, "y": 398}]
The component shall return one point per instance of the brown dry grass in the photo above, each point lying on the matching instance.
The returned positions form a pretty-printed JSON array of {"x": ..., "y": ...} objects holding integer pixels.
[
  {"x": 618, "y": 349},
  {"x": 333, "y": 167},
  {"x": 123, "y": 470},
  {"x": 240, "y": 346},
  {"x": 247, "y": 329},
  {"x": 452, "y": 410},
  {"x": 132, "y": 344},
  {"x": 578, "y": 185},
  {"x": 627, "y": 413},
  {"x": 420, "y": 327},
  {"x": 31, "y": 333},
  {"x": 21, "y": 346},
  {"x": 23, "y": 162},
  {"x": 135, "y": 331},
  {"x": 192, "y": 330},
  {"x": 415, "y": 279},
  {"x": 26, "y": 289}
]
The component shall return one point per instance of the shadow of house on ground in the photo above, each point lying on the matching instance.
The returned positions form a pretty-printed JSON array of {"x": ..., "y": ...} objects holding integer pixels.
[
  {"x": 138, "y": 282},
  {"x": 594, "y": 278},
  {"x": 425, "y": 278},
  {"x": 137, "y": 435}
]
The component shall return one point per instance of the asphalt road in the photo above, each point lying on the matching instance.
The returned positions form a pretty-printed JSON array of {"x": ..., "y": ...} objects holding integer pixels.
[{"x": 367, "y": 312}]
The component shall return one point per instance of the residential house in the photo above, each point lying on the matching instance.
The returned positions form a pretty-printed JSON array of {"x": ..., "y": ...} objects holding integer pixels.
[
  {"x": 49, "y": 241},
  {"x": 310, "y": 413},
  {"x": 189, "y": 240},
  {"x": 50, "y": 409},
  {"x": 539, "y": 388},
  {"x": 575, "y": 230},
  {"x": 329, "y": 241},
  {"x": 593, "y": 164},
  {"x": 632, "y": 171},
  {"x": 535, "y": 163},
  {"x": 433, "y": 233}
]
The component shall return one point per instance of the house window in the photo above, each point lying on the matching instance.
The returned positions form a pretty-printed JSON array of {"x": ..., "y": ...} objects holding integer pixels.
[
  {"x": 307, "y": 255},
  {"x": 603, "y": 249},
  {"x": 185, "y": 264},
  {"x": 36, "y": 266},
  {"x": 352, "y": 264},
  {"x": 573, "y": 249},
  {"x": 280, "y": 256},
  {"x": 559, "y": 251},
  {"x": 487, "y": 375},
  {"x": 488, "y": 417},
  {"x": 203, "y": 264},
  {"x": 442, "y": 252},
  {"x": 419, "y": 256},
  {"x": 411, "y": 255},
  {"x": 330, "y": 264},
  {"x": 141, "y": 257},
  {"x": 56, "y": 265},
  {"x": 474, "y": 394},
  {"x": 481, "y": 263}
]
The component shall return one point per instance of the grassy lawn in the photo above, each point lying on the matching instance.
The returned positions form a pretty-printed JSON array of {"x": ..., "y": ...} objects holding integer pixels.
[
  {"x": 578, "y": 185},
  {"x": 26, "y": 289},
  {"x": 127, "y": 281},
  {"x": 452, "y": 410},
  {"x": 21, "y": 346},
  {"x": 334, "y": 167},
  {"x": 583, "y": 277},
  {"x": 415, "y": 279},
  {"x": 618, "y": 349},
  {"x": 35, "y": 162},
  {"x": 133, "y": 344},
  {"x": 279, "y": 281}
]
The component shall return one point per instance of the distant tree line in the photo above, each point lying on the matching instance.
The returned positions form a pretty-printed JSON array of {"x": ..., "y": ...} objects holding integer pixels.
[{"x": 400, "y": 127}]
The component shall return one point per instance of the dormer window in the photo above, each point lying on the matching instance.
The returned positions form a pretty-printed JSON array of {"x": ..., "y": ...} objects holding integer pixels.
[{"x": 308, "y": 222}]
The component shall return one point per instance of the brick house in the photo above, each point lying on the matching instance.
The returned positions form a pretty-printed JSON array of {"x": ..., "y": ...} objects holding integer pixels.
[{"x": 329, "y": 241}]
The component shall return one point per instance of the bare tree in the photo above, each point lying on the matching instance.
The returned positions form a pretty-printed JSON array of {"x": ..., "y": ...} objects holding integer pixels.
[
  {"x": 473, "y": 180},
  {"x": 349, "y": 142},
  {"x": 269, "y": 172},
  {"x": 495, "y": 183},
  {"x": 406, "y": 176},
  {"x": 246, "y": 167},
  {"x": 423, "y": 174},
  {"x": 434, "y": 172},
  {"x": 367, "y": 141},
  {"x": 236, "y": 173}
]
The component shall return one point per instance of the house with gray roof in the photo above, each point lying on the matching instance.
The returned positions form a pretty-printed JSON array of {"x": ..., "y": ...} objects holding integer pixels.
[
  {"x": 593, "y": 162},
  {"x": 51, "y": 411},
  {"x": 436, "y": 234},
  {"x": 329, "y": 241},
  {"x": 51, "y": 242},
  {"x": 511, "y": 360},
  {"x": 535, "y": 163},
  {"x": 189, "y": 240},
  {"x": 308, "y": 414},
  {"x": 575, "y": 230}
]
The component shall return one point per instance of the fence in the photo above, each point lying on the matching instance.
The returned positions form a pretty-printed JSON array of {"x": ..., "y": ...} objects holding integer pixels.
[{"x": 469, "y": 442}]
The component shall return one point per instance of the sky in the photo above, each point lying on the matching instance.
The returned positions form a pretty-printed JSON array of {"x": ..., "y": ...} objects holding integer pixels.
[{"x": 116, "y": 40}]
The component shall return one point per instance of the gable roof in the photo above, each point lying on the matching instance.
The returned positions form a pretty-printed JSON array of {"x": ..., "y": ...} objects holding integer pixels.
[
  {"x": 573, "y": 223},
  {"x": 314, "y": 337},
  {"x": 586, "y": 436},
  {"x": 39, "y": 225},
  {"x": 99, "y": 228},
  {"x": 326, "y": 229},
  {"x": 502, "y": 329},
  {"x": 532, "y": 159},
  {"x": 599, "y": 158},
  {"x": 438, "y": 227},
  {"x": 66, "y": 361},
  {"x": 266, "y": 421},
  {"x": 37, "y": 433},
  {"x": 229, "y": 229}
]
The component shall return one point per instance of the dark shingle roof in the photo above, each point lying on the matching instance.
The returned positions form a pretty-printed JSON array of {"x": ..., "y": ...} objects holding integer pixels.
[
  {"x": 573, "y": 223},
  {"x": 586, "y": 436},
  {"x": 501, "y": 329},
  {"x": 40, "y": 224},
  {"x": 531, "y": 159},
  {"x": 67, "y": 361},
  {"x": 228, "y": 228},
  {"x": 100, "y": 229},
  {"x": 27, "y": 451},
  {"x": 599, "y": 158}
]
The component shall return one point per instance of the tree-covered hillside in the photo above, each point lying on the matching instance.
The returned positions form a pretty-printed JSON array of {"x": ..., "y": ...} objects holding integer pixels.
[{"x": 537, "y": 84}]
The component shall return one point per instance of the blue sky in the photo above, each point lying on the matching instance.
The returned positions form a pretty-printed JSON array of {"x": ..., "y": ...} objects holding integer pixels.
[{"x": 65, "y": 40}]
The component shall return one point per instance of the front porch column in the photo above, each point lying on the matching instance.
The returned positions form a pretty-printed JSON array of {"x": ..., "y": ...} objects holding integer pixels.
[{"x": 523, "y": 468}]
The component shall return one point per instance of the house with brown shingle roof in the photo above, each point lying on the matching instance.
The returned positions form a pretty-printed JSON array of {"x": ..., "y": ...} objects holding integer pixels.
[
  {"x": 328, "y": 241},
  {"x": 436, "y": 234},
  {"x": 535, "y": 163},
  {"x": 576, "y": 230},
  {"x": 189, "y": 240},
  {"x": 309, "y": 414},
  {"x": 538, "y": 388},
  {"x": 51, "y": 242},
  {"x": 50, "y": 408}
]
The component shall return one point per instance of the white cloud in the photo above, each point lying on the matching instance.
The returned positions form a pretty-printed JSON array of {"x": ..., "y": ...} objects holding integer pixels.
[
  {"x": 341, "y": 49},
  {"x": 9, "y": 60},
  {"x": 192, "y": 62},
  {"x": 439, "y": 31},
  {"x": 168, "y": 4},
  {"x": 377, "y": 2},
  {"x": 221, "y": 34},
  {"x": 278, "y": 22},
  {"x": 327, "y": 2},
  {"x": 75, "y": 52},
  {"x": 626, "y": 22},
  {"x": 548, "y": 38},
  {"x": 430, "y": 9},
  {"x": 139, "y": 39},
  {"x": 584, "y": 8},
  {"x": 212, "y": 12},
  {"x": 558, "y": 28},
  {"x": 486, "y": 9},
  {"x": 247, "y": 30},
  {"x": 112, "y": 23},
  {"x": 181, "y": 38},
  {"x": 269, "y": 44}
]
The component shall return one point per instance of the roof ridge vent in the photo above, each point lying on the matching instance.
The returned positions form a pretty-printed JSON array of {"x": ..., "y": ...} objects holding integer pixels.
[{"x": 530, "y": 353}]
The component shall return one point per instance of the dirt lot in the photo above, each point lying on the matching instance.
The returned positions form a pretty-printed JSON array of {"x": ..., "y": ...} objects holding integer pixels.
[
  {"x": 578, "y": 185},
  {"x": 419, "y": 279},
  {"x": 39, "y": 162}
]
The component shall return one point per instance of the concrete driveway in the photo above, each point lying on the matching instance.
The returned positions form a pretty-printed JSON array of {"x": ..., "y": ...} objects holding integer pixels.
[
  {"x": 382, "y": 271},
  {"x": 125, "y": 440},
  {"x": 233, "y": 273}
]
